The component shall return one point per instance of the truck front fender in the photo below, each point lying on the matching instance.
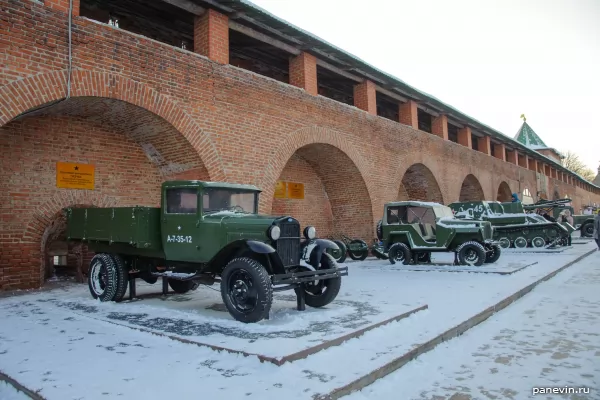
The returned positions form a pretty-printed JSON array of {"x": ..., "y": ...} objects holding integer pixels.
[
  {"x": 320, "y": 245},
  {"x": 260, "y": 247}
]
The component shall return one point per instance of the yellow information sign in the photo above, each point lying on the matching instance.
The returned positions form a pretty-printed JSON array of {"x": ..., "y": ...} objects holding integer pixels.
[
  {"x": 74, "y": 176},
  {"x": 280, "y": 190},
  {"x": 295, "y": 190}
]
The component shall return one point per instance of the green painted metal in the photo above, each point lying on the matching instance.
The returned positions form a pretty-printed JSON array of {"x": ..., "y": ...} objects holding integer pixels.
[
  {"x": 512, "y": 226},
  {"x": 429, "y": 227},
  {"x": 555, "y": 208},
  {"x": 194, "y": 235}
]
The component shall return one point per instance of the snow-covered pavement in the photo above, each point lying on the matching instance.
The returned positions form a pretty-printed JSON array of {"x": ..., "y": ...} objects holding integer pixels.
[
  {"x": 68, "y": 346},
  {"x": 549, "y": 338}
]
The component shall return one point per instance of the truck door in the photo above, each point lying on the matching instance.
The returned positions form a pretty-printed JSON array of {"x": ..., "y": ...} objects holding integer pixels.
[{"x": 180, "y": 223}]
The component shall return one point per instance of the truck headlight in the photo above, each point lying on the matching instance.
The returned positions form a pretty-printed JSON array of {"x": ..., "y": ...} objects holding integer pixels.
[
  {"x": 274, "y": 232},
  {"x": 310, "y": 232}
]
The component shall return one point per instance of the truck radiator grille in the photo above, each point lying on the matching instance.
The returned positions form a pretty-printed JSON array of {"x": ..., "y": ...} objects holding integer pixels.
[{"x": 288, "y": 244}]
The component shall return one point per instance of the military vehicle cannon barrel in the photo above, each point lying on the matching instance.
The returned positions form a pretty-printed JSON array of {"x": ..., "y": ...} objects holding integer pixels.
[{"x": 207, "y": 232}]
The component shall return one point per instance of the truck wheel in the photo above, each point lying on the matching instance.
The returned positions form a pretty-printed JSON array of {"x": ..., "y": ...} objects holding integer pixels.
[
  {"x": 379, "y": 229},
  {"x": 359, "y": 255},
  {"x": 320, "y": 293},
  {"x": 103, "y": 278},
  {"x": 424, "y": 257},
  {"x": 399, "y": 252},
  {"x": 587, "y": 229},
  {"x": 339, "y": 255},
  {"x": 122, "y": 277},
  {"x": 182, "y": 286},
  {"x": 471, "y": 253},
  {"x": 493, "y": 255},
  {"x": 246, "y": 290}
]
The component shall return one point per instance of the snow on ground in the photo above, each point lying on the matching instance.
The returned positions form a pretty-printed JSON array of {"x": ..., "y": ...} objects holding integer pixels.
[
  {"x": 549, "y": 338},
  {"x": 61, "y": 341},
  {"x": 8, "y": 392}
]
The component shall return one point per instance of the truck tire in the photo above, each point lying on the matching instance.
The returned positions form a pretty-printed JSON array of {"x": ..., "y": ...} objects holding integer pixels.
[
  {"x": 471, "y": 253},
  {"x": 325, "y": 291},
  {"x": 341, "y": 254},
  {"x": 122, "y": 277},
  {"x": 240, "y": 276},
  {"x": 359, "y": 255},
  {"x": 587, "y": 229},
  {"x": 399, "y": 252},
  {"x": 103, "y": 277},
  {"x": 182, "y": 286},
  {"x": 493, "y": 255}
]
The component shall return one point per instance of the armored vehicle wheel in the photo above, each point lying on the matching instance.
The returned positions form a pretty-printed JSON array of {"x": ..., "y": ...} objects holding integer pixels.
[
  {"x": 122, "y": 277},
  {"x": 493, "y": 255},
  {"x": 399, "y": 252},
  {"x": 246, "y": 290},
  {"x": 339, "y": 255},
  {"x": 358, "y": 255},
  {"x": 520, "y": 242},
  {"x": 106, "y": 277},
  {"x": 379, "y": 229},
  {"x": 424, "y": 257},
  {"x": 471, "y": 253},
  {"x": 182, "y": 286},
  {"x": 504, "y": 242},
  {"x": 587, "y": 230},
  {"x": 320, "y": 293},
  {"x": 538, "y": 242}
]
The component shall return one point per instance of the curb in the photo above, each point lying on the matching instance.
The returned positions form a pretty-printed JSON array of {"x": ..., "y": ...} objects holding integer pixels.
[
  {"x": 457, "y": 330},
  {"x": 33, "y": 395},
  {"x": 262, "y": 358}
]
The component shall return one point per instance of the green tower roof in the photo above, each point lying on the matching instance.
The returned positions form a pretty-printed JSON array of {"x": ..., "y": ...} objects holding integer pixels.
[{"x": 529, "y": 138}]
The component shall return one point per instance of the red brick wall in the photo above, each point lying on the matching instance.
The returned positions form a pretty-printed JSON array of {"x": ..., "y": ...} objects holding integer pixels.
[
  {"x": 211, "y": 36},
  {"x": 243, "y": 128}
]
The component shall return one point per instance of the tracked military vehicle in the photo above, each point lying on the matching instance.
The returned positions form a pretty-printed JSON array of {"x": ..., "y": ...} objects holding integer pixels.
[
  {"x": 581, "y": 222},
  {"x": 512, "y": 226},
  {"x": 203, "y": 233},
  {"x": 411, "y": 230}
]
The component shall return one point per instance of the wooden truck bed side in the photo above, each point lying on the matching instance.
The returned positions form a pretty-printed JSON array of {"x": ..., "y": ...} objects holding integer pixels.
[{"x": 135, "y": 227}]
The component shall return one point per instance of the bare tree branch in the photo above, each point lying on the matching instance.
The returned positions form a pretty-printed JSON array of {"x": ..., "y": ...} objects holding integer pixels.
[{"x": 574, "y": 163}]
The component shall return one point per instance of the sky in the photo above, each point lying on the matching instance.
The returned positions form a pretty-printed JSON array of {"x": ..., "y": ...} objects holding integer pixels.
[{"x": 492, "y": 60}]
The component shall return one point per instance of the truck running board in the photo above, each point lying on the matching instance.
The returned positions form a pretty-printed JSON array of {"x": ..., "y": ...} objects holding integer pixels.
[{"x": 307, "y": 276}]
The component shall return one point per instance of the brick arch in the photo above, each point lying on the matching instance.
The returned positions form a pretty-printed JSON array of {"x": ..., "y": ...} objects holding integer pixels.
[
  {"x": 504, "y": 193},
  {"x": 419, "y": 183},
  {"x": 44, "y": 222},
  {"x": 471, "y": 189},
  {"x": 38, "y": 90},
  {"x": 341, "y": 175}
]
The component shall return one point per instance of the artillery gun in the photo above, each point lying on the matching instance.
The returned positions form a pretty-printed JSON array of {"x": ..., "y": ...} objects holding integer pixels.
[
  {"x": 583, "y": 223},
  {"x": 512, "y": 226}
]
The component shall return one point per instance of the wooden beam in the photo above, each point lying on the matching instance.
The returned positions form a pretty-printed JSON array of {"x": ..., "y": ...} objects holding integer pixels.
[
  {"x": 391, "y": 94},
  {"x": 187, "y": 5},
  {"x": 339, "y": 71},
  {"x": 263, "y": 38}
]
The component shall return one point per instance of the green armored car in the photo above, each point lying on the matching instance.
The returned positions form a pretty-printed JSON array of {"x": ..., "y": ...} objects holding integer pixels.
[
  {"x": 206, "y": 232},
  {"x": 412, "y": 230}
]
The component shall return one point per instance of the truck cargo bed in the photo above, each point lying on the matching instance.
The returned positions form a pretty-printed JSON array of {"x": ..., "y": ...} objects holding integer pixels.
[{"x": 137, "y": 227}]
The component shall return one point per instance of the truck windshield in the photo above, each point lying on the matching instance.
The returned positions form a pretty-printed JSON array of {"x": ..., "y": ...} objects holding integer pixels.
[{"x": 220, "y": 199}]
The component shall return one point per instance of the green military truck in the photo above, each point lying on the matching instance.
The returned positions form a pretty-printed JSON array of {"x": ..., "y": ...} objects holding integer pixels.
[
  {"x": 206, "y": 232},
  {"x": 512, "y": 226},
  {"x": 412, "y": 230}
]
